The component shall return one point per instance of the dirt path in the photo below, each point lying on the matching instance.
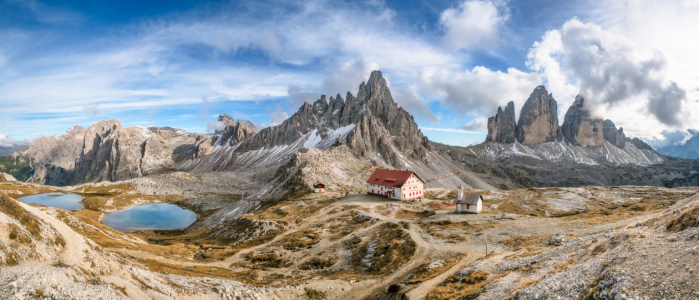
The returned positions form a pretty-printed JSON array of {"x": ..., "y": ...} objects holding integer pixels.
[
  {"x": 421, "y": 291},
  {"x": 72, "y": 253}
]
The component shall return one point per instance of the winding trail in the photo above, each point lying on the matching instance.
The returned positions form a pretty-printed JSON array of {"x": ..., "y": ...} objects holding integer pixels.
[
  {"x": 75, "y": 243},
  {"x": 363, "y": 289}
]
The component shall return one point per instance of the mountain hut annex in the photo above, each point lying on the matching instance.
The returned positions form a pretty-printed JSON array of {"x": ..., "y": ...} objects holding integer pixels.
[{"x": 319, "y": 188}]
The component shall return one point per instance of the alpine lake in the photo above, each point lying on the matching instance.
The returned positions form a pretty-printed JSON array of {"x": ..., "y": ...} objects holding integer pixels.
[{"x": 158, "y": 216}]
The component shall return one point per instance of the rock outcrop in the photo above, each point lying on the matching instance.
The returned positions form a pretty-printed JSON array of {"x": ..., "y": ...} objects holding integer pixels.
[
  {"x": 538, "y": 120},
  {"x": 639, "y": 144},
  {"x": 233, "y": 133},
  {"x": 106, "y": 151},
  {"x": 580, "y": 128},
  {"x": 502, "y": 127},
  {"x": 614, "y": 136},
  {"x": 371, "y": 122},
  {"x": 4, "y": 177}
]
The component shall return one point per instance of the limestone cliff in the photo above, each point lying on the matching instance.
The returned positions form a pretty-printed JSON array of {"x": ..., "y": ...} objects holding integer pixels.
[
  {"x": 106, "y": 151},
  {"x": 371, "y": 122},
  {"x": 502, "y": 127},
  {"x": 580, "y": 128},
  {"x": 233, "y": 133},
  {"x": 538, "y": 120}
]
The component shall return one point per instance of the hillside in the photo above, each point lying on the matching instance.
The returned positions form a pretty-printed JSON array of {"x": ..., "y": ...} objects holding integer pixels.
[{"x": 577, "y": 242}]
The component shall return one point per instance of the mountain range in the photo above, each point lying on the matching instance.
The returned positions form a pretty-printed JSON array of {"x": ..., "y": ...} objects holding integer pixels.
[
  {"x": 688, "y": 150},
  {"x": 365, "y": 131}
]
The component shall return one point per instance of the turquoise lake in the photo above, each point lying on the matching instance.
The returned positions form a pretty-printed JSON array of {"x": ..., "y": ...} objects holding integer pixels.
[
  {"x": 161, "y": 216},
  {"x": 65, "y": 201}
]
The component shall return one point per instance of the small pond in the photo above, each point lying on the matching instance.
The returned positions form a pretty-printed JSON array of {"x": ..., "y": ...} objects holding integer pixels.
[
  {"x": 55, "y": 199},
  {"x": 161, "y": 216}
]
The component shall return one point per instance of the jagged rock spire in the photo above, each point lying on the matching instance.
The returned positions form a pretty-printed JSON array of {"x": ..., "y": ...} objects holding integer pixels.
[
  {"x": 502, "y": 127},
  {"x": 538, "y": 121},
  {"x": 580, "y": 127}
]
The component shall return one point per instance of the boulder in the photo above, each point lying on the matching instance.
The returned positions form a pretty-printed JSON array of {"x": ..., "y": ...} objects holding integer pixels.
[
  {"x": 502, "y": 127},
  {"x": 538, "y": 120},
  {"x": 580, "y": 128}
]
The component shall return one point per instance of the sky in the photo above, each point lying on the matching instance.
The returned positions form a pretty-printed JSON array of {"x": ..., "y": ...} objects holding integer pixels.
[{"x": 449, "y": 63}]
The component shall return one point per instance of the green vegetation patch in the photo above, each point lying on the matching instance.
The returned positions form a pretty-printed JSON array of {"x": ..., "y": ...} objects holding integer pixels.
[{"x": 20, "y": 168}]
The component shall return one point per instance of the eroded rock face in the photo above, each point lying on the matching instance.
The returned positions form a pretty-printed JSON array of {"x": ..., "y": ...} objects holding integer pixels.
[
  {"x": 106, "y": 151},
  {"x": 502, "y": 127},
  {"x": 639, "y": 143},
  {"x": 233, "y": 133},
  {"x": 538, "y": 121},
  {"x": 614, "y": 136},
  {"x": 580, "y": 128},
  {"x": 380, "y": 125}
]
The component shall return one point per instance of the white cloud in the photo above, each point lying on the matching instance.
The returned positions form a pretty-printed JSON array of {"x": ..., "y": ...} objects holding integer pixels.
[
  {"x": 608, "y": 69},
  {"x": 342, "y": 79},
  {"x": 216, "y": 126},
  {"x": 409, "y": 98},
  {"x": 478, "y": 123},
  {"x": 474, "y": 24},
  {"x": 278, "y": 116},
  {"x": 478, "y": 91},
  {"x": 91, "y": 111},
  {"x": 671, "y": 138},
  {"x": 6, "y": 141}
]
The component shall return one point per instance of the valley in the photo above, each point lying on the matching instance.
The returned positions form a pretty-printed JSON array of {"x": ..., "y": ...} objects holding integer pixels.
[
  {"x": 354, "y": 246},
  {"x": 570, "y": 211}
]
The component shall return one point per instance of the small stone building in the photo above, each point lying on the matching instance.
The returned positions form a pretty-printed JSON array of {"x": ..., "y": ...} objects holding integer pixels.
[
  {"x": 319, "y": 188},
  {"x": 396, "y": 184},
  {"x": 468, "y": 202}
]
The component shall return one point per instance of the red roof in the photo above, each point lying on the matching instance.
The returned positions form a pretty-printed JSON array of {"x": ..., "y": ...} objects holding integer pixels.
[{"x": 394, "y": 178}]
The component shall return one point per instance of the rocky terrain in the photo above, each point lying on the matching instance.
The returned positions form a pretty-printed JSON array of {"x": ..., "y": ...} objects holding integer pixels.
[
  {"x": 541, "y": 243},
  {"x": 582, "y": 129},
  {"x": 106, "y": 151}
]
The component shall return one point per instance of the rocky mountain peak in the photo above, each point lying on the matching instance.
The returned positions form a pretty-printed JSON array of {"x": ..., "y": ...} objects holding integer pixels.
[
  {"x": 368, "y": 122},
  {"x": 538, "y": 120},
  {"x": 612, "y": 135},
  {"x": 580, "y": 127},
  {"x": 226, "y": 118},
  {"x": 502, "y": 127}
]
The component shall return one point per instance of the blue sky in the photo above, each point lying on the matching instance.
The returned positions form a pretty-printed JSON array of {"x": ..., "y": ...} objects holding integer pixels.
[{"x": 449, "y": 63}]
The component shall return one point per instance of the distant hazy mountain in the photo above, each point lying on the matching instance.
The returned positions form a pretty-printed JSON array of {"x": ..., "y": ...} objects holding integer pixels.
[
  {"x": 7, "y": 150},
  {"x": 689, "y": 150}
]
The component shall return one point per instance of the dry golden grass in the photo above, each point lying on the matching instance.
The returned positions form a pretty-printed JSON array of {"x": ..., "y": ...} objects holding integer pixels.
[
  {"x": 11, "y": 208},
  {"x": 300, "y": 240},
  {"x": 685, "y": 220},
  {"x": 458, "y": 287},
  {"x": 526, "y": 241},
  {"x": 433, "y": 227},
  {"x": 318, "y": 263},
  {"x": 413, "y": 215},
  {"x": 393, "y": 247},
  {"x": 424, "y": 273}
]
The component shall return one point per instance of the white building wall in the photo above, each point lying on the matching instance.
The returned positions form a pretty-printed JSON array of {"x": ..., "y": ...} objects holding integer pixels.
[
  {"x": 413, "y": 188},
  {"x": 475, "y": 209}
]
